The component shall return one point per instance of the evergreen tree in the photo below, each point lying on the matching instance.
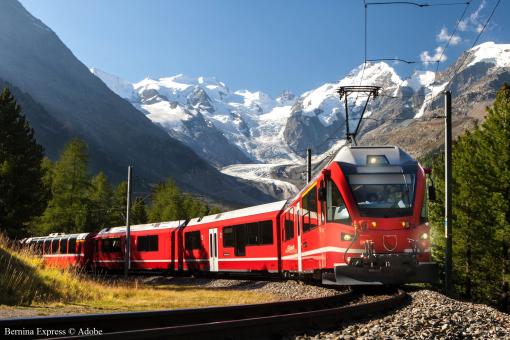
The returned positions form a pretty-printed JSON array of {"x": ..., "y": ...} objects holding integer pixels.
[
  {"x": 481, "y": 208},
  {"x": 100, "y": 202},
  {"x": 118, "y": 210},
  {"x": 494, "y": 147},
  {"x": 22, "y": 194},
  {"x": 68, "y": 208},
  {"x": 167, "y": 203},
  {"x": 138, "y": 212}
]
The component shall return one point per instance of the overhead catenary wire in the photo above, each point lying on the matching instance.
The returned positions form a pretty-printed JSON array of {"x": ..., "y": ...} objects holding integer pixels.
[
  {"x": 466, "y": 54},
  {"x": 417, "y": 4},
  {"x": 450, "y": 38}
]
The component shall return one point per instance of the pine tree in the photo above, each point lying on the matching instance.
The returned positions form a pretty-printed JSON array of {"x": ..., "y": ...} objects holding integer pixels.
[
  {"x": 68, "y": 208},
  {"x": 118, "y": 211},
  {"x": 495, "y": 170},
  {"x": 22, "y": 194},
  {"x": 100, "y": 203},
  {"x": 138, "y": 212},
  {"x": 167, "y": 203},
  {"x": 481, "y": 208}
]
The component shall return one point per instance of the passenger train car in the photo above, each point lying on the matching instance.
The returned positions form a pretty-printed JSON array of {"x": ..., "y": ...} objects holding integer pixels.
[
  {"x": 362, "y": 220},
  {"x": 63, "y": 250}
]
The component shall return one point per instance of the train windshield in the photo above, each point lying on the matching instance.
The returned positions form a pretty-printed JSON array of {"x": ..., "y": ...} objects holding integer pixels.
[{"x": 383, "y": 195}]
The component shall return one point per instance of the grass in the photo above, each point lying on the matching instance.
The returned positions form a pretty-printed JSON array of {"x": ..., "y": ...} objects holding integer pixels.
[{"x": 25, "y": 281}]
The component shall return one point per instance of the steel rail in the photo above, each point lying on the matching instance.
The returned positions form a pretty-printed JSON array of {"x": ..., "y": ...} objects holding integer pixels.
[
  {"x": 264, "y": 327},
  {"x": 113, "y": 323}
]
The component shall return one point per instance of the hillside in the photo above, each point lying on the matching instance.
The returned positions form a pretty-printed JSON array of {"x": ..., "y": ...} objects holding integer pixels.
[{"x": 76, "y": 103}]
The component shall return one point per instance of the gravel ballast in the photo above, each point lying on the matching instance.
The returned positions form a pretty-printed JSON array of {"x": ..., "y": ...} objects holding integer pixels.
[
  {"x": 285, "y": 290},
  {"x": 430, "y": 315}
]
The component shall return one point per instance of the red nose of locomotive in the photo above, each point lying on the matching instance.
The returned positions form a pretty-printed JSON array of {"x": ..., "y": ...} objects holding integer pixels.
[
  {"x": 390, "y": 236},
  {"x": 393, "y": 251}
]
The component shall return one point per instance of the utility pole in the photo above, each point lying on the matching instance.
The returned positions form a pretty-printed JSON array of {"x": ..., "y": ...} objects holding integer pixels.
[
  {"x": 127, "y": 244},
  {"x": 448, "y": 191},
  {"x": 308, "y": 165}
]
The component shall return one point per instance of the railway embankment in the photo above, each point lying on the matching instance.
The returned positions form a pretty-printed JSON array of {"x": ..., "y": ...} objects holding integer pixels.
[
  {"x": 30, "y": 288},
  {"x": 429, "y": 315}
]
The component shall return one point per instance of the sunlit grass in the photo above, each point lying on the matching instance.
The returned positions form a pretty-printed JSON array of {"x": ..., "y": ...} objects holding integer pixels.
[{"x": 26, "y": 281}]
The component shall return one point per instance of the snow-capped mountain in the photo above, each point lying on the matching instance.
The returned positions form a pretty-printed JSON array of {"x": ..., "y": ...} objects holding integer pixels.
[
  {"x": 229, "y": 127},
  {"x": 223, "y": 126}
]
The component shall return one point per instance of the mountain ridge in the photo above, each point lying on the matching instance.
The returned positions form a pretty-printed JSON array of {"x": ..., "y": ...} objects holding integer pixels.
[
  {"x": 278, "y": 133},
  {"x": 36, "y": 61}
]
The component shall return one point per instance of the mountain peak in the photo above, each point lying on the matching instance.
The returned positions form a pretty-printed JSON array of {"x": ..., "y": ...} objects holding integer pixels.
[{"x": 490, "y": 52}]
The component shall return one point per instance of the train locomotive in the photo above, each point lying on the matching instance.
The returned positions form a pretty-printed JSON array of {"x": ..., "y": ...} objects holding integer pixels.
[{"x": 361, "y": 221}]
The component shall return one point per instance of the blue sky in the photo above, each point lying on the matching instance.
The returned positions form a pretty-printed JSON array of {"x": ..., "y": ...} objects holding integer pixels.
[{"x": 268, "y": 45}]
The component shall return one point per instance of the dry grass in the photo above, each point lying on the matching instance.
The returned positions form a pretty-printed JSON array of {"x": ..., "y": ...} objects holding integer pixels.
[{"x": 26, "y": 281}]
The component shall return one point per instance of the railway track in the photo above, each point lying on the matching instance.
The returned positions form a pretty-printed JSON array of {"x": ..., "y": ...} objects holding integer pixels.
[{"x": 266, "y": 320}]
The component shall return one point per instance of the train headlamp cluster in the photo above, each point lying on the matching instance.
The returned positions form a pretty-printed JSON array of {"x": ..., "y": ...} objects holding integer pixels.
[
  {"x": 347, "y": 237},
  {"x": 424, "y": 236},
  {"x": 377, "y": 160},
  {"x": 405, "y": 224}
]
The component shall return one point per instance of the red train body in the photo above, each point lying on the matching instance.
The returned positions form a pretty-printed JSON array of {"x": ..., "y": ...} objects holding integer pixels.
[
  {"x": 64, "y": 250},
  {"x": 362, "y": 220}
]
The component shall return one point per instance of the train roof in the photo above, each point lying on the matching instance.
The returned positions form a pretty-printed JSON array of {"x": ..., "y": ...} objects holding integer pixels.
[
  {"x": 358, "y": 155},
  {"x": 250, "y": 211},
  {"x": 143, "y": 227},
  {"x": 80, "y": 236}
]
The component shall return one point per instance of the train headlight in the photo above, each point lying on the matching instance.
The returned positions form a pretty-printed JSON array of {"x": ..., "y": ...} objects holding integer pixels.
[
  {"x": 424, "y": 236},
  {"x": 373, "y": 224},
  {"x": 405, "y": 224},
  {"x": 347, "y": 237}
]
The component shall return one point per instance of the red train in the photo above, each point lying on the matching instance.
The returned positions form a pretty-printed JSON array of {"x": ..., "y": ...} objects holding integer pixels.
[{"x": 362, "y": 220}]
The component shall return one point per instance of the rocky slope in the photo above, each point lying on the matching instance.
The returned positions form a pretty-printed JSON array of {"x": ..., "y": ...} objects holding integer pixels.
[{"x": 35, "y": 61}]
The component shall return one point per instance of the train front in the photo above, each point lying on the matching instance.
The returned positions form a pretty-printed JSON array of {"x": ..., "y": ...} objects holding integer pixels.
[{"x": 389, "y": 237}]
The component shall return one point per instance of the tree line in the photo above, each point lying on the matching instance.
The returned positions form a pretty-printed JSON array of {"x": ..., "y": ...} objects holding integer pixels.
[
  {"x": 481, "y": 207},
  {"x": 39, "y": 196}
]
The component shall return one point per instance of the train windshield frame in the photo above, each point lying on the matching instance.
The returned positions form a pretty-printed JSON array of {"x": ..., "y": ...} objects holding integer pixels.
[{"x": 383, "y": 195}]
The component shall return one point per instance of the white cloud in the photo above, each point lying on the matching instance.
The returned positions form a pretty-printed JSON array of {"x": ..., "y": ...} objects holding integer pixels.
[
  {"x": 444, "y": 36},
  {"x": 463, "y": 25},
  {"x": 426, "y": 58},
  {"x": 472, "y": 23}
]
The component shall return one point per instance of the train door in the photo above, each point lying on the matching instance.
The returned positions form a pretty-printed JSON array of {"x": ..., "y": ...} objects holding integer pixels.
[
  {"x": 289, "y": 241},
  {"x": 213, "y": 250},
  {"x": 297, "y": 221},
  {"x": 310, "y": 240}
]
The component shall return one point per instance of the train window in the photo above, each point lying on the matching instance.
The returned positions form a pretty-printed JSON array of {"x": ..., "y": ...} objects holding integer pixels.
[
  {"x": 55, "y": 246},
  {"x": 63, "y": 246},
  {"x": 147, "y": 243},
  {"x": 266, "y": 232},
  {"x": 39, "y": 247},
  {"x": 336, "y": 209},
  {"x": 228, "y": 237},
  {"x": 424, "y": 208},
  {"x": 289, "y": 227},
  {"x": 192, "y": 240},
  {"x": 240, "y": 240},
  {"x": 252, "y": 234},
  {"x": 47, "y": 246},
  {"x": 383, "y": 195},
  {"x": 310, "y": 209},
  {"x": 111, "y": 245},
  {"x": 72, "y": 246}
]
